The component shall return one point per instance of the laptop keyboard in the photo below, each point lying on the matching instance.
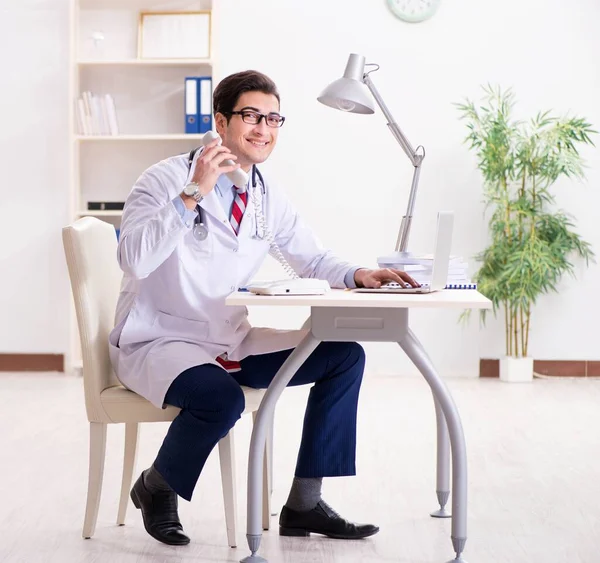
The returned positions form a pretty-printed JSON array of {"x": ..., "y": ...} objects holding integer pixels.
[{"x": 396, "y": 285}]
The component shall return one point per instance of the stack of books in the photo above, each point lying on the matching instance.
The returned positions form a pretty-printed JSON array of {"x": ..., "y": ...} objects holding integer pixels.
[
  {"x": 420, "y": 268},
  {"x": 96, "y": 115}
]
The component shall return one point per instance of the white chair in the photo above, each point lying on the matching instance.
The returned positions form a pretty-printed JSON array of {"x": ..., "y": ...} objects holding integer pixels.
[{"x": 91, "y": 248}]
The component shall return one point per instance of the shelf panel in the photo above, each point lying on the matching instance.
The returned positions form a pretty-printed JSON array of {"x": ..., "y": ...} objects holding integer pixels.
[
  {"x": 146, "y": 62},
  {"x": 93, "y": 213},
  {"x": 173, "y": 137},
  {"x": 146, "y": 5}
]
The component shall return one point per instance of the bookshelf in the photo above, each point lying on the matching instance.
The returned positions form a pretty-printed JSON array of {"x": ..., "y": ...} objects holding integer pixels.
[
  {"x": 172, "y": 137},
  {"x": 149, "y": 105},
  {"x": 150, "y": 62},
  {"x": 98, "y": 213}
]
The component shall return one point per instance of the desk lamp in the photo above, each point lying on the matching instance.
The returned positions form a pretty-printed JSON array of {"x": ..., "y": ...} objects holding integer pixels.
[{"x": 349, "y": 94}]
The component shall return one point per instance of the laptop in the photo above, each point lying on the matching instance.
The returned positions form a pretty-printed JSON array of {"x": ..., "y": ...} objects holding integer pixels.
[{"x": 441, "y": 262}]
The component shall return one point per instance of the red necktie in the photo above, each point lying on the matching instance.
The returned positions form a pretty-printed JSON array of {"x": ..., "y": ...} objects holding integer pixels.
[
  {"x": 239, "y": 206},
  {"x": 237, "y": 212},
  {"x": 230, "y": 366}
]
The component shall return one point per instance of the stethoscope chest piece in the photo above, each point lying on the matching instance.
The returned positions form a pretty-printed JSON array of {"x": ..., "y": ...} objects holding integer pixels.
[{"x": 200, "y": 232}]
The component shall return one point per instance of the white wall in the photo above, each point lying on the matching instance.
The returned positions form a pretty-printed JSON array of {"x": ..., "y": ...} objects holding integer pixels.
[
  {"x": 546, "y": 51},
  {"x": 34, "y": 295}
]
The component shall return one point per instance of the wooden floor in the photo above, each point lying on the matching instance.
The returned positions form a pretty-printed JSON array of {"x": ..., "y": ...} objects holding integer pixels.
[{"x": 534, "y": 478}]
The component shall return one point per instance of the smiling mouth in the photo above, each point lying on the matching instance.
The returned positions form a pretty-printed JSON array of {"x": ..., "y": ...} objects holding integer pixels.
[{"x": 258, "y": 144}]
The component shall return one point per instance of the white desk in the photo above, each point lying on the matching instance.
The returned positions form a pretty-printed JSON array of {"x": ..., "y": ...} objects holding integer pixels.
[{"x": 345, "y": 316}]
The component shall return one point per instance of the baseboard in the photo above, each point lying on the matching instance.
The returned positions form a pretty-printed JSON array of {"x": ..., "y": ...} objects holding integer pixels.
[
  {"x": 488, "y": 367},
  {"x": 32, "y": 362},
  {"x": 553, "y": 368}
]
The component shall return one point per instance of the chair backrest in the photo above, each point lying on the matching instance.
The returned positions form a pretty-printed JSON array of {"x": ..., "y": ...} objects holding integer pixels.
[{"x": 91, "y": 252}]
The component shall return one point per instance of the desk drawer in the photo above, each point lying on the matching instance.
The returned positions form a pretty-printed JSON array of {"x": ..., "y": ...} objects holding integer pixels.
[{"x": 359, "y": 324}]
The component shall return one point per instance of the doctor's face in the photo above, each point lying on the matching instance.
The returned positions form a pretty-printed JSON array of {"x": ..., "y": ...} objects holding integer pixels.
[{"x": 251, "y": 142}]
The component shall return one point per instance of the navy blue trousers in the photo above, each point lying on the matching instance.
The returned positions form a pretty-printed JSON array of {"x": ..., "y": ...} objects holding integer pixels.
[{"x": 212, "y": 401}]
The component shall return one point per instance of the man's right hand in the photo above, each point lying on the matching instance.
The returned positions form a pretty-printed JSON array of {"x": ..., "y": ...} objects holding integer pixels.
[{"x": 208, "y": 168}]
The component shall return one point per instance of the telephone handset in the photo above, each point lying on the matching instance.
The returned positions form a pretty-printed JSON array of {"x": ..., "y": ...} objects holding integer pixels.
[{"x": 238, "y": 177}]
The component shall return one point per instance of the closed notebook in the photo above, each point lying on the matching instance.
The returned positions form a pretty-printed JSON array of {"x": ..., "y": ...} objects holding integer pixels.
[{"x": 461, "y": 286}]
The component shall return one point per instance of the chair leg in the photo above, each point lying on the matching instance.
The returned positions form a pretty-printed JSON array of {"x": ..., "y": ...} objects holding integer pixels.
[
  {"x": 96, "y": 472},
  {"x": 129, "y": 457},
  {"x": 228, "y": 478},
  {"x": 266, "y": 488}
]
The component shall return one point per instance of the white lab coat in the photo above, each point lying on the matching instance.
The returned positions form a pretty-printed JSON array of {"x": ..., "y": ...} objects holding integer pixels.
[{"x": 171, "y": 314}]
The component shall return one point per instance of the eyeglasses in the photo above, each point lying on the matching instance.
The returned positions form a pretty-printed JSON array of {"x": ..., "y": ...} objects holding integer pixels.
[{"x": 254, "y": 118}]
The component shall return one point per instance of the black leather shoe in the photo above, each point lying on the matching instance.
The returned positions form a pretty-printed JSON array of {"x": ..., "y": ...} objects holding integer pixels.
[
  {"x": 322, "y": 519},
  {"x": 159, "y": 511}
]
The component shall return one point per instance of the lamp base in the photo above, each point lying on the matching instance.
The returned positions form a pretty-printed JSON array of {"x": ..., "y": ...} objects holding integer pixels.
[{"x": 399, "y": 259}]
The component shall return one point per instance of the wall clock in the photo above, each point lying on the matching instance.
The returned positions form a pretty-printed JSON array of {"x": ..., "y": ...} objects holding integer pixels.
[{"x": 413, "y": 11}]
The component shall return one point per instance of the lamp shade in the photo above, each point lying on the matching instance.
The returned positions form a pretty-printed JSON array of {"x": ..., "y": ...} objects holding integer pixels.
[{"x": 349, "y": 93}]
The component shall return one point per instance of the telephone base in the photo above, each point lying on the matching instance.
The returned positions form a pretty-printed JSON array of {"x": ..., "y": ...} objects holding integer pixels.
[{"x": 302, "y": 286}]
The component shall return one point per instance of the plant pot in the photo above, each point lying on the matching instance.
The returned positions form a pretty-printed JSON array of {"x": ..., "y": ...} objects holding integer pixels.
[{"x": 516, "y": 370}]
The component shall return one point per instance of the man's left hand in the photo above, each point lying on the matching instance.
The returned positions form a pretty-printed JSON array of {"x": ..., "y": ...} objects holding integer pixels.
[{"x": 374, "y": 278}]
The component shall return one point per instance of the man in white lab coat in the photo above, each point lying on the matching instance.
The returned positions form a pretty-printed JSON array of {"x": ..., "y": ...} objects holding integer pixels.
[{"x": 175, "y": 342}]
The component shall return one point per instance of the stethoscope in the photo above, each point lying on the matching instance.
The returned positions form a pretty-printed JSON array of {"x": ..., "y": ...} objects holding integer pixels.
[{"x": 200, "y": 230}]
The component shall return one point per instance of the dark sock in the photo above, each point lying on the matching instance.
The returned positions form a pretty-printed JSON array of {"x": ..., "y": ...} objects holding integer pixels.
[
  {"x": 304, "y": 494},
  {"x": 154, "y": 481}
]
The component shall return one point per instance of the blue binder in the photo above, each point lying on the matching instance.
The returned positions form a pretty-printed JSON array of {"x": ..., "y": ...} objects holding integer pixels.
[
  {"x": 204, "y": 104},
  {"x": 191, "y": 105}
]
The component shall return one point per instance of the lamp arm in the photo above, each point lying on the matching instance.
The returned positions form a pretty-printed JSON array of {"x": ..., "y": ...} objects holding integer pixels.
[
  {"x": 415, "y": 157},
  {"x": 405, "y": 225}
]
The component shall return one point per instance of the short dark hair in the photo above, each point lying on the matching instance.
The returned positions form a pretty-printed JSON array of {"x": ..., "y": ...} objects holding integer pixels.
[{"x": 228, "y": 91}]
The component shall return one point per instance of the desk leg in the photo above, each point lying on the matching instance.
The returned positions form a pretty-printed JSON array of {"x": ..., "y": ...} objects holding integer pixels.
[
  {"x": 414, "y": 350},
  {"x": 264, "y": 418},
  {"x": 270, "y": 440},
  {"x": 442, "y": 489}
]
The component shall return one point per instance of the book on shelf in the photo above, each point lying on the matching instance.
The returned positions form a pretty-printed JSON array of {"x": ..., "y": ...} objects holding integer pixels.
[
  {"x": 96, "y": 115},
  {"x": 105, "y": 205}
]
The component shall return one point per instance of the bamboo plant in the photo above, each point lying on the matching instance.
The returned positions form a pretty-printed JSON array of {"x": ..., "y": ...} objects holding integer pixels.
[{"x": 532, "y": 244}]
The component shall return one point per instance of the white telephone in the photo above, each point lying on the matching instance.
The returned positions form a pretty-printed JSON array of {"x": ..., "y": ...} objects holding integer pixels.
[
  {"x": 298, "y": 286},
  {"x": 292, "y": 286},
  {"x": 238, "y": 177}
]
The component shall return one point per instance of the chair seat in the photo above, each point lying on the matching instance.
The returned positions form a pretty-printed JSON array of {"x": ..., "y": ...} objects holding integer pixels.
[{"x": 123, "y": 405}]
